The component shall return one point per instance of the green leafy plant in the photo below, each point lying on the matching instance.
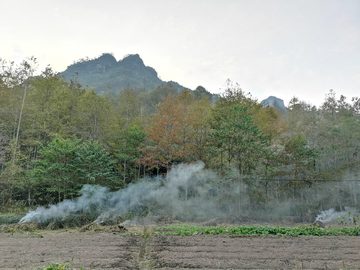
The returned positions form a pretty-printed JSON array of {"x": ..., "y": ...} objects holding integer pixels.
[
  {"x": 11, "y": 230},
  {"x": 56, "y": 267},
  {"x": 350, "y": 218},
  {"x": 257, "y": 230}
]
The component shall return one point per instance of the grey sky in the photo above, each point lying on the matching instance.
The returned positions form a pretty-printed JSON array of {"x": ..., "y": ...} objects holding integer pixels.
[{"x": 284, "y": 48}]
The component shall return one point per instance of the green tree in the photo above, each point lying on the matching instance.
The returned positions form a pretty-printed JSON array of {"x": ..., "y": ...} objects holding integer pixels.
[
  {"x": 93, "y": 115},
  {"x": 200, "y": 126},
  {"x": 53, "y": 174},
  {"x": 340, "y": 135},
  {"x": 94, "y": 165},
  {"x": 243, "y": 145},
  {"x": 240, "y": 139},
  {"x": 300, "y": 157},
  {"x": 71, "y": 98},
  {"x": 132, "y": 153},
  {"x": 233, "y": 96},
  {"x": 65, "y": 165},
  {"x": 46, "y": 105},
  {"x": 125, "y": 116},
  {"x": 152, "y": 99},
  {"x": 15, "y": 81}
]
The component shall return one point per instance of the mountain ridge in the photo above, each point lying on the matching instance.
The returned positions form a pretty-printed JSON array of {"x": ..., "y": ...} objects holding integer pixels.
[{"x": 106, "y": 72}]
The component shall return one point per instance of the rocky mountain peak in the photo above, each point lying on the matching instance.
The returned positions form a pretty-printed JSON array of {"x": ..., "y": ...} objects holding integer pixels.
[
  {"x": 132, "y": 61},
  {"x": 104, "y": 72},
  {"x": 274, "y": 102},
  {"x": 106, "y": 58}
]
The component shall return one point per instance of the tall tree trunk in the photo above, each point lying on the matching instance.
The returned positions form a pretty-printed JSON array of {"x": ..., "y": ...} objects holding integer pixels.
[
  {"x": 138, "y": 177},
  {"x": 18, "y": 128},
  {"x": 125, "y": 164}
]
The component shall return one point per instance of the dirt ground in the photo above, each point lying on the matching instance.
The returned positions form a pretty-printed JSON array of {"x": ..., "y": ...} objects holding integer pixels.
[{"x": 110, "y": 250}]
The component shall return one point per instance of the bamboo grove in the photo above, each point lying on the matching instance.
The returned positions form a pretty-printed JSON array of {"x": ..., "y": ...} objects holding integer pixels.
[{"x": 57, "y": 135}]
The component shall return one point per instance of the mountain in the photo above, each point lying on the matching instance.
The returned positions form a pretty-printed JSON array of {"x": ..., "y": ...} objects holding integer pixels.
[
  {"x": 276, "y": 103},
  {"x": 104, "y": 72}
]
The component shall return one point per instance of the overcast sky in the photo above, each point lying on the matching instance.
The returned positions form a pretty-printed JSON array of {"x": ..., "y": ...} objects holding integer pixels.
[{"x": 283, "y": 48}]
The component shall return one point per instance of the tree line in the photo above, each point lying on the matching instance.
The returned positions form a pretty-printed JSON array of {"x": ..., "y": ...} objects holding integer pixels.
[{"x": 57, "y": 135}]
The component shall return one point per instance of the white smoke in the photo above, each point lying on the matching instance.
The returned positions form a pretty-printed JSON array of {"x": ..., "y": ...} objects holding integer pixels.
[
  {"x": 165, "y": 192},
  {"x": 349, "y": 216},
  {"x": 91, "y": 196},
  {"x": 187, "y": 193}
]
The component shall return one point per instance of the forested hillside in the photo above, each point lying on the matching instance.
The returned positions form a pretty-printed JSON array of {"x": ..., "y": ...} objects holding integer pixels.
[{"x": 57, "y": 135}]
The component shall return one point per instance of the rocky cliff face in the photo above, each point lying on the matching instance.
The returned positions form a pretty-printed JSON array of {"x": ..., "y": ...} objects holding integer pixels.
[
  {"x": 275, "y": 102},
  {"x": 105, "y": 72}
]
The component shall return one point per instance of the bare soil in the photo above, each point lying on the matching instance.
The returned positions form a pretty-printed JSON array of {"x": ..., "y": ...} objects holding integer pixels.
[{"x": 107, "y": 249}]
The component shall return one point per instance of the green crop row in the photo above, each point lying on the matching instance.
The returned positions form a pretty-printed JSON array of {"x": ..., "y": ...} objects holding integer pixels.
[
  {"x": 257, "y": 230},
  {"x": 57, "y": 266}
]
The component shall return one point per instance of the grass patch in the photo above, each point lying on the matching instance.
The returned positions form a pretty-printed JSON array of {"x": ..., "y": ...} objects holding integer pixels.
[{"x": 257, "y": 230}]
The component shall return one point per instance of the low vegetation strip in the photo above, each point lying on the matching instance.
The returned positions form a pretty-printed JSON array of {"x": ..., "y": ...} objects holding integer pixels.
[{"x": 257, "y": 231}]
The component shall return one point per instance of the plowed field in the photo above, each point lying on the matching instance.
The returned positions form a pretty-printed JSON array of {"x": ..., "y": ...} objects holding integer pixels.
[{"x": 113, "y": 251}]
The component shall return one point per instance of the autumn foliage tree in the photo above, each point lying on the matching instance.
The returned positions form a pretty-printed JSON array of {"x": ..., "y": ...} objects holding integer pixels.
[{"x": 169, "y": 131}]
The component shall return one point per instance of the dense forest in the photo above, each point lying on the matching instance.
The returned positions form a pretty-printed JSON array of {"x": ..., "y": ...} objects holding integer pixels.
[{"x": 57, "y": 136}]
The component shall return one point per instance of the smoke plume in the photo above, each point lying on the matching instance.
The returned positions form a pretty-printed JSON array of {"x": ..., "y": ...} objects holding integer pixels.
[
  {"x": 190, "y": 192},
  {"x": 349, "y": 216},
  {"x": 170, "y": 194}
]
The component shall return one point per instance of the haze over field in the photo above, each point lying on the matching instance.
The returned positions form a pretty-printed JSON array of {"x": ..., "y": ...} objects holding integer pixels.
[{"x": 279, "y": 48}]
